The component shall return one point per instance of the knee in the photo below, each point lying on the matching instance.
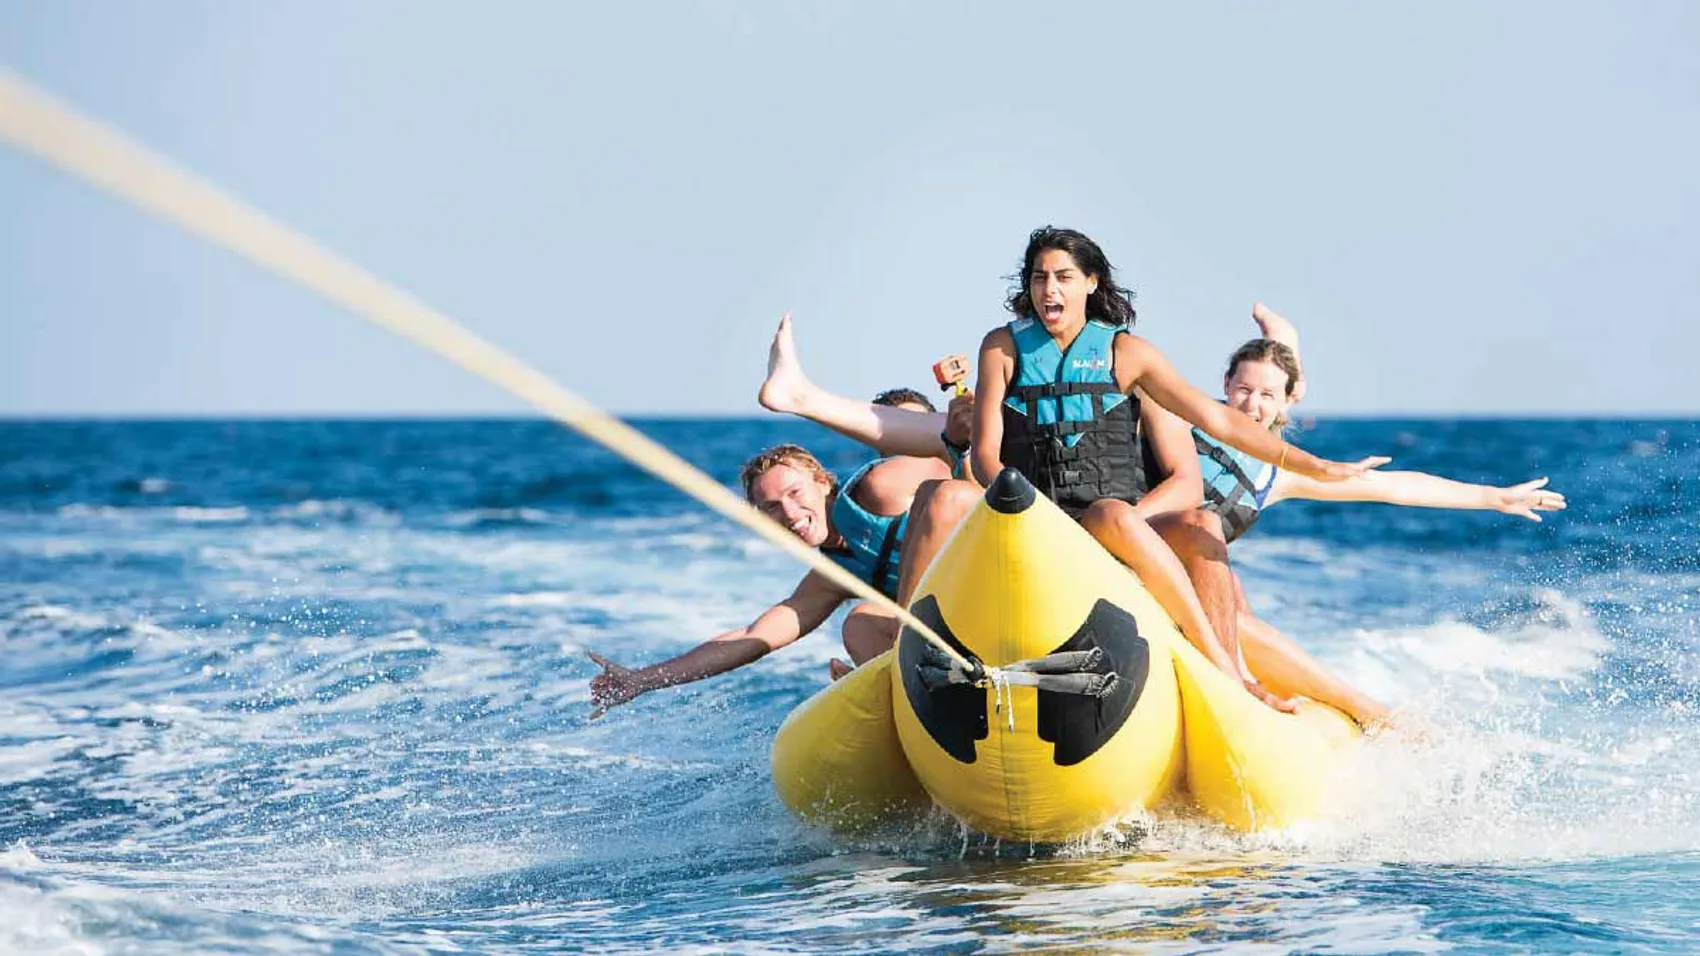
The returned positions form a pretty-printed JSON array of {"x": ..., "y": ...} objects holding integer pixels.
[
  {"x": 1108, "y": 514},
  {"x": 868, "y": 631},
  {"x": 946, "y": 501},
  {"x": 866, "y": 614},
  {"x": 1195, "y": 534},
  {"x": 1201, "y": 521}
]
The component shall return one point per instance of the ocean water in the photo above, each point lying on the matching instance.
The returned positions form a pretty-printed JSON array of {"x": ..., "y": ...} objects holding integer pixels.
[{"x": 321, "y": 687}]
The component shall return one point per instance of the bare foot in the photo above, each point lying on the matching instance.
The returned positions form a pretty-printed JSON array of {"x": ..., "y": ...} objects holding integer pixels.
[
  {"x": 1285, "y": 705},
  {"x": 1374, "y": 719},
  {"x": 786, "y": 386},
  {"x": 1401, "y": 725},
  {"x": 1274, "y": 325},
  {"x": 838, "y": 669}
]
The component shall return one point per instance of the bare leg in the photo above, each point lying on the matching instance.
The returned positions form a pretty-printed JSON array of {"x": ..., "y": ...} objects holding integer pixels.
[
  {"x": 1126, "y": 535},
  {"x": 869, "y": 631},
  {"x": 1196, "y": 538},
  {"x": 891, "y": 431},
  {"x": 938, "y": 508},
  {"x": 1285, "y": 666},
  {"x": 1275, "y": 326}
]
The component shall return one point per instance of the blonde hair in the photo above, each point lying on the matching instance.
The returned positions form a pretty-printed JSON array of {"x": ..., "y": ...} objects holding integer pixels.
[{"x": 796, "y": 456}]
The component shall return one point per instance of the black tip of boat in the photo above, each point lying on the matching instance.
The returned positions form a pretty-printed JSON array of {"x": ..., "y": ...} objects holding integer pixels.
[{"x": 1010, "y": 492}]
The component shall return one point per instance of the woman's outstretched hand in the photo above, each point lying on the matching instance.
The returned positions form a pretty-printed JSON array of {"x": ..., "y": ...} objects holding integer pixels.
[{"x": 1527, "y": 498}]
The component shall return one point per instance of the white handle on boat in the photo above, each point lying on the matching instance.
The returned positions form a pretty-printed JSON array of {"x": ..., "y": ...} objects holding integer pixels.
[{"x": 34, "y": 122}]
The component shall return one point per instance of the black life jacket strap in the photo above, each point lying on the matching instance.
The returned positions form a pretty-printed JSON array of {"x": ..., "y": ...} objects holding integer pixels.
[
  {"x": 1027, "y": 393},
  {"x": 1220, "y": 456},
  {"x": 887, "y": 549},
  {"x": 1234, "y": 508}
]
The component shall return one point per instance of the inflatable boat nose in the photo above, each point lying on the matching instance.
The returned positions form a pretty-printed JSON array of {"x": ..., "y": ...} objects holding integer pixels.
[{"x": 1010, "y": 492}]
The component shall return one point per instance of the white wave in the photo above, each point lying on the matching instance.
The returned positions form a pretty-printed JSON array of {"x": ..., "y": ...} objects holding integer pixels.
[
  {"x": 559, "y": 754},
  {"x": 465, "y": 519},
  {"x": 55, "y": 548},
  {"x": 63, "y": 617},
  {"x": 339, "y": 509},
  {"x": 194, "y": 515},
  {"x": 23, "y": 762},
  {"x": 536, "y": 599},
  {"x": 79, "y": 510},
  {"x": 185, "y": 514},
  {"x": 18, "y": 856},
  {"x": 33, "y": 921},
  {"x": 1470, "y": 666}
]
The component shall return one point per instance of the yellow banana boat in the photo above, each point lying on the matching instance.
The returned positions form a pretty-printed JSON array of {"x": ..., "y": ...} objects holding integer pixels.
[{"x": 1086, "y": 705}]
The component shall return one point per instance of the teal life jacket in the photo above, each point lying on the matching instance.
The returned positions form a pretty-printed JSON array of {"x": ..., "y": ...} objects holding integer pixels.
[
  {"x": 1067, "y": 425},
  {"x": 872, "y": 543},
  {"x": 1236, "y": 485}
]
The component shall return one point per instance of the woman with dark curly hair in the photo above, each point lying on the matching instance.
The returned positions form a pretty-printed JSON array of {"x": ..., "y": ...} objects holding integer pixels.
[{"x": 1058, "y": 399}]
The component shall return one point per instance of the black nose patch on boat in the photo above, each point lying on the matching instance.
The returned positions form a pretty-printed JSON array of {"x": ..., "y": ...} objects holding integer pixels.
[{"x": 1114, "y": 661}]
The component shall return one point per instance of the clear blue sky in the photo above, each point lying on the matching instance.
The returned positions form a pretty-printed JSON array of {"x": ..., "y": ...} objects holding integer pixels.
[{"x": 1466, "y": 206}]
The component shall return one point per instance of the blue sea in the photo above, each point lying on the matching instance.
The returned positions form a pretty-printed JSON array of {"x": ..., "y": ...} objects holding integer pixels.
[{"x": 321, "y": 687}]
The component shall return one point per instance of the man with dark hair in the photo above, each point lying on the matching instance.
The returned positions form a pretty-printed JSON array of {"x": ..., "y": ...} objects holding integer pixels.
[{"x": 905, "y": 398}]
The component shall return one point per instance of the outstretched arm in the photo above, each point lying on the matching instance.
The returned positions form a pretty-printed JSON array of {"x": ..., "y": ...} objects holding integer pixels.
[
  {"x": 1153, "y": 373},
  {"x": 1421, "y": 490},
  {"x": 806, "y": 609}
]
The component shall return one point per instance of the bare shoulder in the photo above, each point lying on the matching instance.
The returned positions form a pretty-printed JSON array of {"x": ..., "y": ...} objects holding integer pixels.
[
  {"x": 1131, "y": 361},
  {"x": 999, "y": 340},
  {"x": 889, "y": 487},
  {"x": 1132, "y": 345}
]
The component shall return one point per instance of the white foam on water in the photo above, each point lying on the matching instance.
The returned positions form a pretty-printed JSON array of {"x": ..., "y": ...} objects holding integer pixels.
[
  {"x": 110, "y": 512},
  {"x": 194, "y": 515},
  {"x": 63, "y": 617},
  {"x": 18, "y": 856},
  {"x": 31, "y": 760},
  {"x": 1460, "y": 665},
  {"x": 1510, "y": 762},
  {"x": 537, "y": 599},
  {"x": 337, "y": 509},
  {"x": 534, "y": 516},
  {"x": 39, "y": 922}
]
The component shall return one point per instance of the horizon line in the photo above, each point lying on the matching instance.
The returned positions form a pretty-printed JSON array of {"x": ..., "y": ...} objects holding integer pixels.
[{"x": 9, "y": 417}]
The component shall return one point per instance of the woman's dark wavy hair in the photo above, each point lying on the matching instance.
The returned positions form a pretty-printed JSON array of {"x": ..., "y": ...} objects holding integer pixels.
[{"x": 1111, "y": 303}]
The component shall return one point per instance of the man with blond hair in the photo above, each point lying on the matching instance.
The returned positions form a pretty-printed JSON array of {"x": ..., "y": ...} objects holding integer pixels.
[{"x": 858, "y": 523}]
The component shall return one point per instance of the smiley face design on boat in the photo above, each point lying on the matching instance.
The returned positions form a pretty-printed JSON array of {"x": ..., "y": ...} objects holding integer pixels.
[{"x": 1087, "y": 684}]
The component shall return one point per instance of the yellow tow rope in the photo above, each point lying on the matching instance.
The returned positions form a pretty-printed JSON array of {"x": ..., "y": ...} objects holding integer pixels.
[{"x": 33, "y": 122}]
